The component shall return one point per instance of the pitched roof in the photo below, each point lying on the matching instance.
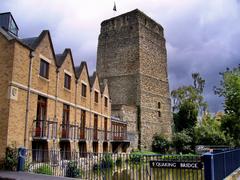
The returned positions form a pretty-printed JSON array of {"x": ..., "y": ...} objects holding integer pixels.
[
  {"x": 60, "y": 58},
  {"x": 92, "y": 78}
]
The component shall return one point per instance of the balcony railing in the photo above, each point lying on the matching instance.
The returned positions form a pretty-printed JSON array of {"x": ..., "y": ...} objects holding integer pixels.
[
  {"x": 120, "y": 136},
  {"x": 44, "y": 129},
  {"x": 68, "y": 132},
  {"x": 93, "y": 134}
]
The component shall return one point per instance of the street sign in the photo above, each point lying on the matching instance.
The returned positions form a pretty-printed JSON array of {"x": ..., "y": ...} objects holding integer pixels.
[{"x": 178, "y": 164}]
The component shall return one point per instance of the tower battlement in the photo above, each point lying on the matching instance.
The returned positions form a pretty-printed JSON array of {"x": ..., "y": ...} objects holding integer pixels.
[{"x": 132, "y": 18}]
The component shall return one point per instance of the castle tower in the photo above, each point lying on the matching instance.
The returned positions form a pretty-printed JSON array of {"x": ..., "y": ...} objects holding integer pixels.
[{"x": 132, "y": 57}]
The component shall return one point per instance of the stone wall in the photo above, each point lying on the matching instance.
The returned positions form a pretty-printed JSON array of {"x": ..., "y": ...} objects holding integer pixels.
[{"x": 132, "y": 57}]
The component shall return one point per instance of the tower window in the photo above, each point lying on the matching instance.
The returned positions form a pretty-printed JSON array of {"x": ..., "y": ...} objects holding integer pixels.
[
  {"x": 159, "y": 105},
  {"x": 159, "y": 114}
]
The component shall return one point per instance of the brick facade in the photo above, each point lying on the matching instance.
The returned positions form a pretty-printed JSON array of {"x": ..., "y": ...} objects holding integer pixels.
[{"x": 16, "y": 67}]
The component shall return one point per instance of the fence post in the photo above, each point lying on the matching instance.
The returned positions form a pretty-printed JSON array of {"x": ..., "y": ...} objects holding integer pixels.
[
  {"x": 21, "y": 158},
  {"x": 208, "y": 166}
]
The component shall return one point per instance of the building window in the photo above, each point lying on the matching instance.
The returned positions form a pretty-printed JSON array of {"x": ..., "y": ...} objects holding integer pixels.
[
  {"x": 159, "y": 113},
  {"x": 66, "y": 111},
  {"x": 159, "y": 105},
  {"x": 44, "y": 69},
  {"x": 105, "y": 101},
  {"x": 95, "y": 96},
  {"x": 67, "y": 81},
  {"x": 84, "y": 90},
  {"x": 83, "y": 119}
]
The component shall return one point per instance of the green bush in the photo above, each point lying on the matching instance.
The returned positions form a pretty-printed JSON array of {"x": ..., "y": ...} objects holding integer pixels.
[
  {"x": 160, "y": 144},
  {"x": 73, "y": 170},
  {"x": 118, "y": 162},
  {"x": 182, "y": 142},
  {"x": 44, "y": 169},
  {"x": 136, "y": 158},
  {"x": 107, "y": 161},
  {"x": 11, "y": 159}
]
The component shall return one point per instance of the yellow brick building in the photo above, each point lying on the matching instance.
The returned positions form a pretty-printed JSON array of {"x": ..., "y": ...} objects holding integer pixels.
[{"x": 46, "y": 102}]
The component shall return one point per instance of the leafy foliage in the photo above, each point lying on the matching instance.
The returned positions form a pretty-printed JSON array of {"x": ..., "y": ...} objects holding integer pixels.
[
  {"x": 186, "y": 118},
  {"x": 11, "y": 159},
  {"x": 188, "y": 102},
  {"x": 44, "y": 169},
  {"x": 230, "y": 90},
  {"x": 160, "y": 144},
  {"x": 209, "y": 133},
  {"x": 73, "y": 170},
  {"x": 182, "y": 142}
]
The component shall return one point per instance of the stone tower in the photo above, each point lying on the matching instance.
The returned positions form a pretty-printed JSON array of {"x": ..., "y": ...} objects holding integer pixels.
[{"x": 132, "y": 57}]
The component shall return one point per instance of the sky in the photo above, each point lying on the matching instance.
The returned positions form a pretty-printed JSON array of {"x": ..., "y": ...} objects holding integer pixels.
[{"x": 201, "y": 35}]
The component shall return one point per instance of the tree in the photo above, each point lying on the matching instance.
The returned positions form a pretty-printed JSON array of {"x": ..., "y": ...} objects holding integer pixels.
[
  {"x": 187, "y": 103},
  {"x": 186, "y": 117},
  {"x": 230, "y": 90},
  {"x": 209, "y": 132},
  {"x": 182, "y": 142}
]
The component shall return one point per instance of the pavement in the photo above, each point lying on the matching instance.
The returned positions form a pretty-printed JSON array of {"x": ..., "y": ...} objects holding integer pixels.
[{"x": 13, "y": 175}]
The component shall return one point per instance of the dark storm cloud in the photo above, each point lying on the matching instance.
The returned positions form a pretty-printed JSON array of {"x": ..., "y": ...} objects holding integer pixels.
[{"x": 202, "y": 35}]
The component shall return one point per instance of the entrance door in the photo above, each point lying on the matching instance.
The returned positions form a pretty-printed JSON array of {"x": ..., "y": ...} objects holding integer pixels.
[
  {"x": 40, "y": 130},
  {"x": 95, "y": 127}
]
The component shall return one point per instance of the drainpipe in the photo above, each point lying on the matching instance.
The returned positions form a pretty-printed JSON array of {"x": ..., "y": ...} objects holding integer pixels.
[
  {"x": 55, "y": 109},
  {"x": 56, "y": 94},
  {"x": 31, "y": 55},
  {"x": 76, "y": 130}
]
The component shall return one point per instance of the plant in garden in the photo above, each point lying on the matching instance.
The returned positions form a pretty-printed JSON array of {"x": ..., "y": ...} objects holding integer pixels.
[
  {"x": 11, "y": 159},
  {"x": 72, "y": 170},
  {"x": 160, "y": 144},
  {"x": 118, "y": 162},
  {"x": 182, "y": 142},
  {"x": 44, "y": 169}
]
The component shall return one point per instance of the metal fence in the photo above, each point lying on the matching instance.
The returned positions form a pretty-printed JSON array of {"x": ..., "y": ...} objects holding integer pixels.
[
  {"x": 219, "y": 165},
  {"x": 108, "y": 166}
]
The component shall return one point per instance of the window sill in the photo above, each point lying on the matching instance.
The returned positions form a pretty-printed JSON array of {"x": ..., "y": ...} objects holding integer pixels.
[
  {"x": 68, "y": 90},
  {"x": 43, "y": 78}
]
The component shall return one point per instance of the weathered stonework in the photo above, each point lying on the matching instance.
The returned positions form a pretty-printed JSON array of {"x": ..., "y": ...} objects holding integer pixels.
[{"x": 132, "y": 57}]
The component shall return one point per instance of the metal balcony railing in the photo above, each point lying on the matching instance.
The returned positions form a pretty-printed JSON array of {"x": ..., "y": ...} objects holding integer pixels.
[
  {"x": 120, "y": 136},
  {"x": 68, "y": 132},
  {"x": 44, "y": 129}
]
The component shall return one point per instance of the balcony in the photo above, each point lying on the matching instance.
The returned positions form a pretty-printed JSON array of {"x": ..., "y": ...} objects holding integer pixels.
[
  {"x": 120, "y": 136},
  {"x": 85, "y": 134},
  {"x": 44, "y": 129},
  {"x": 68, "y": 132},
  {"x": 90, "y": 134}
]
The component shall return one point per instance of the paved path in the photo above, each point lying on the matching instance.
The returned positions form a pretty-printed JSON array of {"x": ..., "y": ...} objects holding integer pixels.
[{"x": 10, "y": 175}]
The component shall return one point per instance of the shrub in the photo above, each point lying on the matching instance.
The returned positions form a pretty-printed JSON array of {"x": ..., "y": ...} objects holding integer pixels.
[
  {"x": 107, "y": 161},
  {"x": 72, "y": 170},
  {"x": 182, "y": 142},
  {"x": 136, "y": 158},
  {"x": 11, "y": 159},
  {"x": 118, "y": 162},
  {"x": 160, "y": 144},
  {"x": 44, "y": 169}
]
